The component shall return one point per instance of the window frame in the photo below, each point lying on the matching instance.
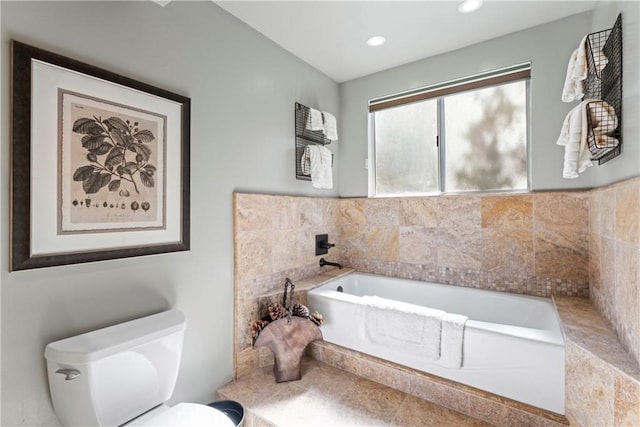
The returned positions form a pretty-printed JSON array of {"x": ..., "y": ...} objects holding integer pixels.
[{"x": 512, "y": 74}]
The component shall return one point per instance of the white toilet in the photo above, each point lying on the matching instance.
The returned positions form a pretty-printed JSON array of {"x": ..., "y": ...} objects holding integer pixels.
[{"x": 123, "y": 374}]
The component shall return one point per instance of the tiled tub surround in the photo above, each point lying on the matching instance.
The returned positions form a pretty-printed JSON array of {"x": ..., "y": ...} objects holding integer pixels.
[
  {"x": 542, "y": 244},
  {"x": 274, "y": 238},
  {"x": 534, "y": 244},
  {"x": 602, "y": 379},
  {"x": 614, "y": 247}
]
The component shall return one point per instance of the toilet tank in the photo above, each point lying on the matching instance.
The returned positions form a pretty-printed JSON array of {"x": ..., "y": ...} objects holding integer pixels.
[{"x": 111, "y": 375}]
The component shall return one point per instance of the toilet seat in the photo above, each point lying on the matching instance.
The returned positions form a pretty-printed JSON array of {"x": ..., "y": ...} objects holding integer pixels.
[{"x": 183, "y": 414}]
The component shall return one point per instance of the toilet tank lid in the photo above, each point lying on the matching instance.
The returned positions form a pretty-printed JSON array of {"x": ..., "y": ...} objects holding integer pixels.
[{"x": 103, "y": 342}]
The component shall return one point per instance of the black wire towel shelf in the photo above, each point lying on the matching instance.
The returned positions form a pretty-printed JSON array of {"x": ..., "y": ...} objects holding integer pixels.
[
  {"x": 604, "y": 84},
  {"x": 304, "y": 138}
]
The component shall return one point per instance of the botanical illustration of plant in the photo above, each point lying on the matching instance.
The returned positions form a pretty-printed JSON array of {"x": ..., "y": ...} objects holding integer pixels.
[{"x": 118, "y": 155}]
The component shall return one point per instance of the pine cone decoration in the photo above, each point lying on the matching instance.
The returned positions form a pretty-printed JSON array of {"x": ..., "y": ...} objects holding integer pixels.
[
  {"x": 300, "y": 310},
  {"x": 277, "y": 311},
  {"x": 256, "y": 327},
  {"x": 316, "y": 318}
]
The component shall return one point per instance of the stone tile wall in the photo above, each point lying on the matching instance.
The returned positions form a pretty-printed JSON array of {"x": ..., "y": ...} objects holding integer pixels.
[
  {"x": 602, "y": 379},
  {"x": 274, "y": 238},
  {"x": 614, "y": 247},
  {"x": 534, "y": 244}
]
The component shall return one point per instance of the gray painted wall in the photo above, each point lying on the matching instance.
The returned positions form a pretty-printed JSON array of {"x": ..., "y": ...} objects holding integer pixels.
[
  {"x": 243, "y": 88},
  {"x": 547, "y": 46}
]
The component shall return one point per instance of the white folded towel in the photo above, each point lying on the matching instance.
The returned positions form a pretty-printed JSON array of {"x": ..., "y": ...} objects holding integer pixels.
[
  {"x": 314, "y": 121},
  {"x": 330, "y": 126},
  {"x": 408, "y": 327},
  {"x": 576, "y": 73},
  {"x": 574, "y": 133},
  {"x": 452, "y": 340},
  {"x": 317, "y": 161}
]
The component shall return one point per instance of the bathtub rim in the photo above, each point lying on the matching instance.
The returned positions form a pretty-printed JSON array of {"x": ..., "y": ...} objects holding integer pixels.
[{"x": 551, "y": 337}]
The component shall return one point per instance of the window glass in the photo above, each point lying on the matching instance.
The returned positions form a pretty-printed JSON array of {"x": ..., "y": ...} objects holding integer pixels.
[
  {"x": 486, "y": 144},
  {"x": 474, "y": 140},
  {"x": 406, "y": 153}
]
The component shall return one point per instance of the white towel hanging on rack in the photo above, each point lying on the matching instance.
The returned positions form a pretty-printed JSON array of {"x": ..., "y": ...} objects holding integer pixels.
[{"x": 317, "y": 161}]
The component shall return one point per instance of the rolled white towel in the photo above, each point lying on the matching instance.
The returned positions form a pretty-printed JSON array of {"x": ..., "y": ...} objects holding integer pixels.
[
  {"x": 574, "y": 133},
  {"x": 314, "y": 121},
  {"x": 320, "y": 165},
  {"x": 330, "y": 126},
  {"x": 576, "y": 73}
]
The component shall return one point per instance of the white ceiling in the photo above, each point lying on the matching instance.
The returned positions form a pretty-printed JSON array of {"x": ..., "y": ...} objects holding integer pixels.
[{"x": 331, "y": 35}]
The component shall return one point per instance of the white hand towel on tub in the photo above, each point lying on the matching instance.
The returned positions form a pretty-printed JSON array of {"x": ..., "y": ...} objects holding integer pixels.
[
  {"x": 314, "y": 120},
  {"x": 408, "y": 327},
  {"x": 330, "y": 126},
  {"x": 320, "y": 165},
  {"x": 452, "y": 340}
]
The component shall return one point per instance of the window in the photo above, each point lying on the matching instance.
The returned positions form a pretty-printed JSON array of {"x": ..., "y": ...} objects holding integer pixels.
[{"x": 463, "y": 136}]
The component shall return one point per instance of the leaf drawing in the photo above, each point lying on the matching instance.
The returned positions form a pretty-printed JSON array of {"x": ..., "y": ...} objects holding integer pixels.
[{"x": 118, "y": 154}]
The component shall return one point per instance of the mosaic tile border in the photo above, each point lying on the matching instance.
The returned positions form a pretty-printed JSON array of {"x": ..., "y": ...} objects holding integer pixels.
[{"x": 473, "y": 278}]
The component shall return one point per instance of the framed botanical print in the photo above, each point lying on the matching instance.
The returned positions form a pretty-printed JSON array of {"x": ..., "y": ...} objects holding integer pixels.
[{"x": 100, "y": 163}]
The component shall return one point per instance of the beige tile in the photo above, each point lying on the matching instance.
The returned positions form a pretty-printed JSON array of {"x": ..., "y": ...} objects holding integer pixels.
[
  {"x": 382, "y": 243},
  {"x": 373, "y": 400},
  {"x": 253, "y": 212},
  {"x": 459, "y": 212},
  {"x": 385, "y": 212},
  {"x": 310, "y": 212},
  {"x": 627, "y": 401},
  {"x": 294, "y": 406},
  {"x": 627, "y": 228},
  {"x": 595, "y": 255},
  {"x": 386, "y": 374},
  {"x": 608, "y": 269},
  {"x": 595, "y": 211},
  {"x": 253, "y": 254},
  {"x": 440, "y": 394},
  {"x": 608, "y": 212},
  {"x": 627, "y": 296},
  {"x": 352, "y": 211},
  {"x": 285, "y": 250},
  {"x": 284, "y": 213},
  {"x": 353, "y": 242},
  {"x": 488, "y": 410},
  {"x": 516, "y": 417},
  {"x": 418, "y": 245},
  {"x": 246, "y": 361},
  {"x": 416, "y": 412},
  {"x": 589, "y": 388},
  {"x": 508, "y": 251},
  {"x": 326, "y": 379},
  {"x": 507, "y": 212},
  {"x": 562, "y": 209},
  {"x": 460, "y": 248},
  {"x": 562, "y": 254},
  {"x": 419, "y": 211}
]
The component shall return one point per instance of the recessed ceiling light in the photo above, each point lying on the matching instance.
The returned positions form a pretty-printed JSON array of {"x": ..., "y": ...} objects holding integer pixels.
[
  {"x": 469, "y": 6},
  {"x": 376, "y": 41}
]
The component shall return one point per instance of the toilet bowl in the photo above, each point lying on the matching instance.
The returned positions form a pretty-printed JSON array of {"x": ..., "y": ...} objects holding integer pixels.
[{"x": 123, "y": 375}]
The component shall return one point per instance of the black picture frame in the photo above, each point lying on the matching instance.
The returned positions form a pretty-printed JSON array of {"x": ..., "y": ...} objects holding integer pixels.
[{"x": 30, "y": 225}]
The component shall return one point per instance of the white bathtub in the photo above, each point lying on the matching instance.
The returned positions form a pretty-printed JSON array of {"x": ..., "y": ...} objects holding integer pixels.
[{"x": 513, "y": 344}]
